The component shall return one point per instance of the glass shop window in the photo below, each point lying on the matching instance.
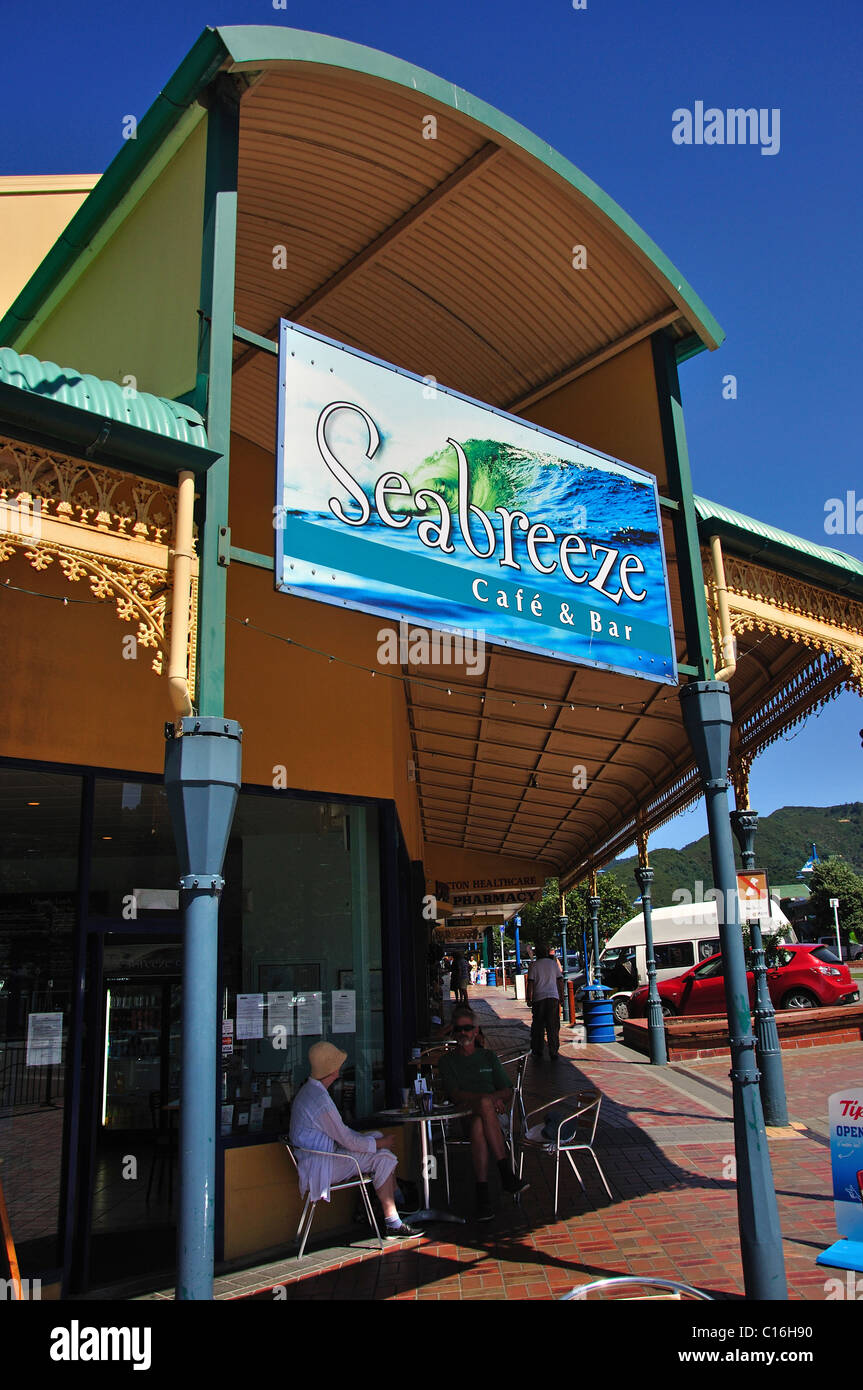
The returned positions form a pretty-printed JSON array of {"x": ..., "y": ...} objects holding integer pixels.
[
  {"x": 134, "y": 868},
  {"x": 40, "y": 814},
  {"x": 301, "y": 957}
]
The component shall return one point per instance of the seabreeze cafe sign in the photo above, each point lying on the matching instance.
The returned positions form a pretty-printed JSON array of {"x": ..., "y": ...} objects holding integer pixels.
[{"x": 398, "y": 497}]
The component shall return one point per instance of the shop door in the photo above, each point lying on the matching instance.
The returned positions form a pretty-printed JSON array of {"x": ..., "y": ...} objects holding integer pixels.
[{"x": 130, "y": 1174}]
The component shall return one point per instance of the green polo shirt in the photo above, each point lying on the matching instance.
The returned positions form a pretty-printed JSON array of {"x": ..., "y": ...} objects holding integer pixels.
[{"x": 480, "y": 1073}]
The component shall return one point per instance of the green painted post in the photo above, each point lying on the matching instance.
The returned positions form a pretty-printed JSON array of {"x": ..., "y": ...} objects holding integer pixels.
[
  {"x": 215, "y": 370},
  {"x": 768, "y": 1053},
  {"x": 655, "y": 1021},
  {"x": 695, "y": 617}
]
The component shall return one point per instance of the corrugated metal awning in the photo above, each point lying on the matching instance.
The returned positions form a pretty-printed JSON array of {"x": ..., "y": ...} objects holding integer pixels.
[{"x": 107, "y": 399}]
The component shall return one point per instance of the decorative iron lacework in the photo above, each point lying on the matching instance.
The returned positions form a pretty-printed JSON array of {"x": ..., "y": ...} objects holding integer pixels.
[
  {"x": 836, "y": 664},
  {"x": 102, "y": 499},
  {"x": 38, "y": 487}
]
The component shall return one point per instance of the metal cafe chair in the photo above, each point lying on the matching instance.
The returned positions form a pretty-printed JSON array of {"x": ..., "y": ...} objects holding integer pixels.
[
  {"x": 517, "y": 1115},
  {"x": 583, "y": 1120},
  {"x": 363, "y": 1181},
  {"x": 671, "y": 1289}
]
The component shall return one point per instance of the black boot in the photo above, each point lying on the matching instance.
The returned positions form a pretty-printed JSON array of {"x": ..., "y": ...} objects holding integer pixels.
[{"x": 508, "y": 1179}]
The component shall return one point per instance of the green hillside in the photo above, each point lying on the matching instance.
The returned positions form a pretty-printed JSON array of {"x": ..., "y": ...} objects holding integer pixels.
[{"x": 782, "y": 846}]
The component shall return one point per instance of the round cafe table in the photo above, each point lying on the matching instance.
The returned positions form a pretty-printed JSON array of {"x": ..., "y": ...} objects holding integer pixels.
[{"x": 425, "y": 1120}]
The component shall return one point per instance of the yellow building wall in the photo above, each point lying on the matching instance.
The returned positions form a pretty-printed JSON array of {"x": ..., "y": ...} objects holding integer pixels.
[
  {"x": 133, "y": 309},
  {"x": 34, "y": 209}
]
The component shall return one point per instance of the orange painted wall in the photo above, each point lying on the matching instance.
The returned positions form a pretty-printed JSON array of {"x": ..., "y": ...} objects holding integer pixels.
[
  {"x": 333, "y": 727},
  {"x": 613, "y": 408},
  {"x": 448, "y": 864},
  {"x": 68, "y": 693}
]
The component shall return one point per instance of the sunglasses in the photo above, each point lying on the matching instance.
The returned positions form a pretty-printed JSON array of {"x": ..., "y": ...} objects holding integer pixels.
[{"x": 464, "y": 1028}]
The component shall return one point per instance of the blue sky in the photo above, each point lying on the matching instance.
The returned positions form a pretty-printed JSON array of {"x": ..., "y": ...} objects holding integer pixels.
[{"x": 770, "y": 243}]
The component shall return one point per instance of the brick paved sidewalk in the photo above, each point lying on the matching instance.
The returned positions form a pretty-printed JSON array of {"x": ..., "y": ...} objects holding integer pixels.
[{"x": 665, "y": 1141}]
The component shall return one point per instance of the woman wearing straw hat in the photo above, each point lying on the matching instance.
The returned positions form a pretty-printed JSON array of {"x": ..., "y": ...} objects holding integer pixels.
[{"x": 317, "y": 1124}]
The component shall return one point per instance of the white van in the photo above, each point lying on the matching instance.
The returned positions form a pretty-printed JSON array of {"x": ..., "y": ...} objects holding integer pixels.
[{"x": 683, "y": 935}]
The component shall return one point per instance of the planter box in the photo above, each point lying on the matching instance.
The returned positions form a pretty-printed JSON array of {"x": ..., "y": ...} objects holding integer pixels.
[{"x": 706, "y": 1035}]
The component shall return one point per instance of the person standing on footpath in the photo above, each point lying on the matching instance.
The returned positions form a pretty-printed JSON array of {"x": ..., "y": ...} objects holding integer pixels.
[
  {"x": 545, "y": 997},
  {"x": 461, "y": 977}
]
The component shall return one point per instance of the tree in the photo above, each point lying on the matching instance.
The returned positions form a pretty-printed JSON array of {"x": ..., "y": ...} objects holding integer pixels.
[
  {"x": 615, "y": 907},
  {"x": 833, "y": 878},
  {"x": 540, "y": 922}
]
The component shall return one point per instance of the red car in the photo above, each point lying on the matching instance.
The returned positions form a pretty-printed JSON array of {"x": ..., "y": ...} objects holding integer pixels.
[{"x": 802, "y": 977}]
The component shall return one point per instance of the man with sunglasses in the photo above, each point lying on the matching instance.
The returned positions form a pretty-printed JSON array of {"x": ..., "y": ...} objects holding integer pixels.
[{"x": 474, "y": 1076}]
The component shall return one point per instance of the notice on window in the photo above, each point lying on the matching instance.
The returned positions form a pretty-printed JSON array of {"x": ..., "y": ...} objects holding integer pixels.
[
  {"x": 256, "y": 1117},
  {"x": 344, "y": 1011},
  {"x": 280, "y": 1014},
  {"x": 227, "y": 1118},
  {"x": 227, "y": 1037},
  {"x": 250, "y": 1016},
  {"x": 44, "y": 1040},
  {"x": 310, "y": 1009}
]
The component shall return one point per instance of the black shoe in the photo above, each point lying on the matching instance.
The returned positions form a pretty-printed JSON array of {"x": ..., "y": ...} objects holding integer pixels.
[
  {"x": 537, "y": 1056},
  {"x": 510, "y": 1183},
  {"x": 554, "y": 1056},
  {"x": 400, "y": 1232},
  {"x": 484, "y": 1210}
]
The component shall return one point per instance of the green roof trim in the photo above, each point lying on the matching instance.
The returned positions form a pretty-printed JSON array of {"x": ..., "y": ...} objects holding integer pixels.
[
  {"x": 259, "y": 46},
  {"x": 757, "y": 540},
  {"x": 65, "y": 386}
]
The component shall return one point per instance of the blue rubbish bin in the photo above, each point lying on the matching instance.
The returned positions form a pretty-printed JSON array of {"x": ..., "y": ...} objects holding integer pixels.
[
  {"x": 598, "y": 1014},
  {"x": 491, "y": 978}
]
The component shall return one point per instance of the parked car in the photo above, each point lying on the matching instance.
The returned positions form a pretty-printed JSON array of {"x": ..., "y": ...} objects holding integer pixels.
[
  {"x": 804, "y": 977},
  {"x": 851, "y": 950},
  {"x": 683, "y": 935}
]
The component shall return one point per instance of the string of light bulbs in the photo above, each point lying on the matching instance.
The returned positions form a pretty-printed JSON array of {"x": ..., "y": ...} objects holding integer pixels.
[{"x": 633, "y": 707}]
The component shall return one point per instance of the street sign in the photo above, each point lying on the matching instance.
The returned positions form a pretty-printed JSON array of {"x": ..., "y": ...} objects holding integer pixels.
[{"x": 753, "y": 895}]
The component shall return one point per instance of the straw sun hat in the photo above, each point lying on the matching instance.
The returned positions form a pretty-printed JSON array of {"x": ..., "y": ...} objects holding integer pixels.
[{"x": 324, "y": 1059}]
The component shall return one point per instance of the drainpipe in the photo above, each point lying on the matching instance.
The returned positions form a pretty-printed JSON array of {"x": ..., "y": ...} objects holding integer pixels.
[
  {"x": 727, "y": 641},
  {"x": 184, "y": 554}
]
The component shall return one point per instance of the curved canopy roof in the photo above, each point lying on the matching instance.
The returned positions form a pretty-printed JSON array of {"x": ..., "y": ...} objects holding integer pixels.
[{"x": 415, "y": 222}]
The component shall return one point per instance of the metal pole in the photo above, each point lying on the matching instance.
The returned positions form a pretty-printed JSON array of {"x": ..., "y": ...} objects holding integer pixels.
[
  {"x": 202, "y": 780},
  {"x": 594, "y": 904},
  {"x": 563, "y": 924},
  {"x": 834, "y": 903},
  {"x": 655, "y": 1024},
  {"x": 517, "y": 947},
  {"x": 706, "y": 707},
  {"x": 768, "y": 1054}
]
